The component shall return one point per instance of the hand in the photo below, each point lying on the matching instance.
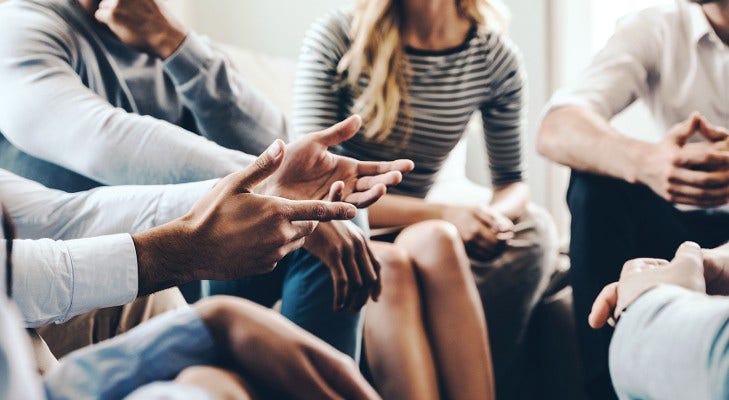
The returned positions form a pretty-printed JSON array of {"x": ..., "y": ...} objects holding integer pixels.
[
  {"x": 716, "y": 270},
  {"x": 146, "y": 25},
  {"x": 343, "y": 247},
  {"x": 642, "y": 274},
  {"x": 280, "y": 355},
  {"x": 693, "y": 174},
  {"x": 309, "y": 170},
  {"x": 483, "y": 230},
  {"x": 231, "y": 233}
]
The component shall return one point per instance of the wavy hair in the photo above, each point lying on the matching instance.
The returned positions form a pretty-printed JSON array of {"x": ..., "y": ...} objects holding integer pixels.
[{"x": 376, "y": 53}]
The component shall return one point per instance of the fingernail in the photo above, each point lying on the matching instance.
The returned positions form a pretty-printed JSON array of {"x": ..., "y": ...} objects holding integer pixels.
[
  {"x": 274, "y": 150},
  {"x": 351, "y": 213}
]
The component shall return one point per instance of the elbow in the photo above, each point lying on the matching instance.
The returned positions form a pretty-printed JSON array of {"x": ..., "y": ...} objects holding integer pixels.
[{"x": 546, "y": 136}]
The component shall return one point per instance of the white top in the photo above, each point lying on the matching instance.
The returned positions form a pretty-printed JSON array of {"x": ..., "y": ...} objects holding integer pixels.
[
  {"x": 669, "y": 56},
  {"x": 55, "y": 278}
]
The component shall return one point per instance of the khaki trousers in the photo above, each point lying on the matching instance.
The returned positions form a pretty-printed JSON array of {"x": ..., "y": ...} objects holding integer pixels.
[{"x": 55, "y": 341}]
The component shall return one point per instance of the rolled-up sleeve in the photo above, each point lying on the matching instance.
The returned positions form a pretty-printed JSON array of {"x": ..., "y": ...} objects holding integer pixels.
[
  {"x": 620, "y": 72},
  {"x": 56, "y": 280}
]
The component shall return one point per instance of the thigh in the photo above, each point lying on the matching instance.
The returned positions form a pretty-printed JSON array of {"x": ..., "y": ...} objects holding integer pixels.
[{"x": 308, "y": 300}]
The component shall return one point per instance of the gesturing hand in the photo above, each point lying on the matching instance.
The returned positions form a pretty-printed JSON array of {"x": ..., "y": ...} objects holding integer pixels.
[
  {"x": 280, "y": 355},
  {"x": 693, "y": 174},
  {"x": 716, "y": 270},
  {"x": 344, "y": 249},
  {"x": 146, "y": 25},
  {"x": 483, "y": 230},
  {"x": 310, "y": 170},
  {"x": 642, "y": 274},
  {"x": 231, "y": 233}
]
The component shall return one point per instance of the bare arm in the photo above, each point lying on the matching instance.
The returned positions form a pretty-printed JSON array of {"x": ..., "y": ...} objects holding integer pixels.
[{"x": 583, "y": 140}]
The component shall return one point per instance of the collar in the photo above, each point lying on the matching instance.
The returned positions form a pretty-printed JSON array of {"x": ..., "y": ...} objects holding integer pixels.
[{"x": 699, "y": 25}]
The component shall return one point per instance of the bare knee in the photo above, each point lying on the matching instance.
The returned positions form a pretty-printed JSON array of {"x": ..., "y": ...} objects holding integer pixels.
[
  {"x": 435, "y": 246},
  {"x": 396, "y": 270}
]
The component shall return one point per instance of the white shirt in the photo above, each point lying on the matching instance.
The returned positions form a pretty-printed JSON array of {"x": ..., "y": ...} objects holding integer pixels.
[
  {"x": 56, "y": 278},
  {"x": 669, "y": 56}
]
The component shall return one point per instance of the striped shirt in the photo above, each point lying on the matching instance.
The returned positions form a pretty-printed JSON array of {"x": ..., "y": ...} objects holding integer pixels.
[{"x": 445, "y": 88}]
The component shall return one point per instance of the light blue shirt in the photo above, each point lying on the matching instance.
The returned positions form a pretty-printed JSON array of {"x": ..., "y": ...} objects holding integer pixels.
[
  {"x": 137, "y": 365},
  {"x": 672, "y": 343},
  {"x": 55, "y": 278}
]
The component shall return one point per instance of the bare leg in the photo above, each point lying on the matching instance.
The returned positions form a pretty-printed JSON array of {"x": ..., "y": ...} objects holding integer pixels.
[
  {"x": 396, "y": 344},
  {"x": 219, "y": 384},
  {"x": 453, "y": 312}
]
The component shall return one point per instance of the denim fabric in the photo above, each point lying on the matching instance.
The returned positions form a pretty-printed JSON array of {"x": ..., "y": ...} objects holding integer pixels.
[{"x": 304, "y": 286}]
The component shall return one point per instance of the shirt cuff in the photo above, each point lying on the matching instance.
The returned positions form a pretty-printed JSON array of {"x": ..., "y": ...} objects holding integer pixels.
[
  {"x": 189, "y": 60},
  {"x": 177, "y": 200},
  {"x": 104, "y": 272}
]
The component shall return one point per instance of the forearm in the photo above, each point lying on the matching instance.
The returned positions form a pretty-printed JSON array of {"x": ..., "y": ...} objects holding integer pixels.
[
  {"x": 395, "y": 210},
  {"x": 227, "y": 109},
  {"x": 584, "y": 141},
  {"x": 511, "y": 200},
  {"x": 683, "y": 332}
]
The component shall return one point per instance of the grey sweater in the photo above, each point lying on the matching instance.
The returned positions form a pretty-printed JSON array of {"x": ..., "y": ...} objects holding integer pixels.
[{"x": 79, "y": 109}]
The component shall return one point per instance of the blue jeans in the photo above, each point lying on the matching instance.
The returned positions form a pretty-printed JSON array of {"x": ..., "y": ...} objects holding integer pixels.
[{"x": 304, "y": 285}]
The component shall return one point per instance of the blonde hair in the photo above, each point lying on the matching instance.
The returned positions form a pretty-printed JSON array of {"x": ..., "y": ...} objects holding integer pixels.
[{"x": 376, "y": 52}]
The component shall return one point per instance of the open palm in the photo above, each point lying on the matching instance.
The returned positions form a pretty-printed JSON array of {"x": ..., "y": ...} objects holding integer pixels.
[{"x": 309, "y": 169}]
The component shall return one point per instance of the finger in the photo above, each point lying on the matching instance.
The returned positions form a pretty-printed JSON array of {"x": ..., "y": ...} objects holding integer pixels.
[
  {"x": 700, "y": 194},
  {"x": 692, "y": 201},
  {"x": 702, "y": 158},
  {"x": 377, "y": 290},
  {"x": 684, "y": 130},
  {"x": 353, "y": 275},
  {"x": 264, "y": 166},
  {"x": 103, "y": 15},
  {"x": 366, "y": 266},
  {"x": 292, "y": 246},
  {"x": 689, "y": 254},
  {"x": 316, "y": 210},
  {"x": 604, "y": 306},
  {"x": 336, "y": 191},
  {"x": 381, "y": 167},
  {"x": 341, "y": 286},
  {"x": 708, "y": 179},
  {"x": 303, "y": 228},
  {"x": 711, "y": 132},
  {"x": 359, "y": 300},
  {"x": 366, "y": 198},
  {"x": 340, "y": 132},
  {"x": 343, "y": 376},
  {"x": 391, "y": 178}
]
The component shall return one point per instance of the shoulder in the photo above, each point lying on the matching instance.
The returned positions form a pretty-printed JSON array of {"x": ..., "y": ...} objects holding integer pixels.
[
  {"x": 498, "y": 50},
  {"x": 331, "y": 32},
  {"x": 654, "y": 24},
  {"x": 27, "y": 25}
]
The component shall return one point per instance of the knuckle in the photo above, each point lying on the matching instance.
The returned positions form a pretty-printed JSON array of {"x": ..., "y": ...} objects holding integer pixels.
[{"x": 319, "y": 211}]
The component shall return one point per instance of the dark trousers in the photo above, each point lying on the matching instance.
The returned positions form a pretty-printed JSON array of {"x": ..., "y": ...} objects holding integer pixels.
[{"x": 612, "y": 222}]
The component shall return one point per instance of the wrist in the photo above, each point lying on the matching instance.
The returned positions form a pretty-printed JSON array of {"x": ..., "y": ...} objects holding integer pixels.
[
  {"x": 161, "y": 258},
  {"x": 166, "y": 42},
  {"x": 636, "y": 152}
]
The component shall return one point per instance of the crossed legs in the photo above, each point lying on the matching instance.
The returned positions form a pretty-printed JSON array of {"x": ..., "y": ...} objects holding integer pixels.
[{"x": 429, "y": 314}]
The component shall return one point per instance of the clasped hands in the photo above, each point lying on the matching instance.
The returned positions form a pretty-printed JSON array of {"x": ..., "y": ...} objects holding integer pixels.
[
  {"x": 695, "y": 174},
  {"x": 693, "y": 268}
]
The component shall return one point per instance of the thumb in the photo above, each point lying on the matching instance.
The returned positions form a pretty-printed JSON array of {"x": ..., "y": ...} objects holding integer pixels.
[
  {"x": 264, "y": 166},
  {"x": 340, "y": 132},
  {"x": 689, "y": 253},
  {"x": 684, "y": 130}
]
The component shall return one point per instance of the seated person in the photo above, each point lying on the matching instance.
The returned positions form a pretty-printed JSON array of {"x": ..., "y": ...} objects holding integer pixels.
[
  {"x": 180, "y": 233},
  {"x": 417, "y": 71},
  {"x": 212, "y": 350},
  {"x": 108, "y": 93},
  {"x": 671, "y": 339},
  {"x": 629, "y": 198}
]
